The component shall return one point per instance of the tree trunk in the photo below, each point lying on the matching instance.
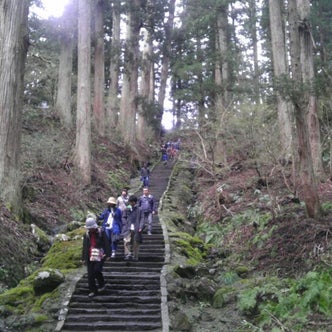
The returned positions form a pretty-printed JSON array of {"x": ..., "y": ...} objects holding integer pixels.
[
  {"x": 99, "y": 70},
  {"x": 166, "y": 57},
  {"x": 63, "y": 100},
  {"x": 146, "y": 88},
  {"x": 112, "y": 99},
  {"x": 253, "y": 35},
  {"x": 308, "y": 73},
  {"x": 14, "y": 43},
  {"x": 129, "y": 100},
  {"x": 221, "y": 79},
  {"x": 83, "y": 123},
  {"x": 299, "y": 37},
  {"x": 284, "y": 108}
]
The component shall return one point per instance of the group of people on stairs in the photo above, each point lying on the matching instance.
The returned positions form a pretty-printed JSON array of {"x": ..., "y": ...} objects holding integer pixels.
[{"x": 125, "y": 217}]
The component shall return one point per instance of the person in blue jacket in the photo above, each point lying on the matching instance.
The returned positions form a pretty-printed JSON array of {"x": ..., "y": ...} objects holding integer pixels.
[{"x": 112, "y": 224}]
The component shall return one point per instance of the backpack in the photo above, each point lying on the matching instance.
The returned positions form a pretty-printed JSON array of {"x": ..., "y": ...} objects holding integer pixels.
[{"x": 146, "y": 203}]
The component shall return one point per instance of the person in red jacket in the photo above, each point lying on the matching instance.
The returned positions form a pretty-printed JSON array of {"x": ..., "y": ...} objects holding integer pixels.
[{"x": 95, "y": 251}]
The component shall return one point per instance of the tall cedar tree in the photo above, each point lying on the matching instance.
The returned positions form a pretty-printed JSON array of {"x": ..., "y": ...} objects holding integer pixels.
[{"x": 13, "y": 50}]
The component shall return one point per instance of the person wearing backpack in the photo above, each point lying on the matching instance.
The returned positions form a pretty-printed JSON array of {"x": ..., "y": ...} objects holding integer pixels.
[
  {"x": 146, "y": 203},
  {"x": 95, "y": 251}
]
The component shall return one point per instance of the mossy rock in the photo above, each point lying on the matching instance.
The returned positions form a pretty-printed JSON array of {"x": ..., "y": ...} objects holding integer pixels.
[
  {"x": 181, "y": 322},
  {"x": 47, "y": 280},
  {"x": 42, "y": 240},
  {"x": 65, "y": 255},
  {"x": 222, "y": 296},
  {"x": 187, "y": 271},
  {"x": 192, "y": 247}
]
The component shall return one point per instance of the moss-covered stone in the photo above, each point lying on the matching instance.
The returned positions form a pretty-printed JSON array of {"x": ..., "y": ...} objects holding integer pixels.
[
  {"x": 181, "y": 322},
  {"x": 222, "y": 296},
  {"x": 190, "y": 246},
  {"x": 65, "y": 255},
  {"x": 187, "y": 271},
  {"x": 42, "y": 239},
  {"x": 47, "y": 280}
]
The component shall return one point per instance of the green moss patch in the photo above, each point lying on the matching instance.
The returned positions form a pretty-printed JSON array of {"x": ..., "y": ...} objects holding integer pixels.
[{"x": 190, "y": 246}]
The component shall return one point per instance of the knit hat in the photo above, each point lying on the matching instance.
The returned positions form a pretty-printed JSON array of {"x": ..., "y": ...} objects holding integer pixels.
[
  {"x": 91, "y": 223},
  {"x": 111, "y": 200}
]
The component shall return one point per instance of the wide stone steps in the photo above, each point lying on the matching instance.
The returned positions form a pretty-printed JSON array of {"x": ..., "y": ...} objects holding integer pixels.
[{"x": 132, "y": 298}]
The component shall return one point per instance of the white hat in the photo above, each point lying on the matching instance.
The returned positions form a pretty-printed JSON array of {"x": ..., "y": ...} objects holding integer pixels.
[
  {"x": 91, "y": 223},
  {"x": 111, "y": 200}
]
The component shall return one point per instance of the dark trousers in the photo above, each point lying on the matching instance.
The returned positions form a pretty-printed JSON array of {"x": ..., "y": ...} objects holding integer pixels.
[
  {"x": 145, "y": 181},
  {"x": 95, "y": 272},
  {"x": 113, "y": 239}
]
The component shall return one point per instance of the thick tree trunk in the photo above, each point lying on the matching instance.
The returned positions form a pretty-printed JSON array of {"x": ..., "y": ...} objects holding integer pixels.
[
  {"x": 166, "y": 57},
  {"x": 280, "y": 69},
  {"x": 308, "y": 73},
  {"x": 112, "y": 98},
  {"x": 146, "y": 88},
  {"x": 13, "y": 50},
  {"x": 83, "y": 123},
  {"x": 299, "y": 37},
  {"x": 99, "y": 70},
  {"x": 129, "y": 100},
  {"x": 63, "y": 100}
]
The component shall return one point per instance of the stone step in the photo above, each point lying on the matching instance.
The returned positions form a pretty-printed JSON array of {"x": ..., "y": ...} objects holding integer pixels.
[
  {"x": 114, "y": 285},
  {"x": 123, "y": 306},
  {"x": 150, "y": 297},
  {"x": 116, "y": 309},
  {"x": 111, "y": 326},
  {"x": 132, "y": 298},
  {"x": 109, "y": 316}
]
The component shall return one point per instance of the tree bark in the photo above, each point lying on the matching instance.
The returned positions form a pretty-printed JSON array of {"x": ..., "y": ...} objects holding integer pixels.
[
  {"x": 253, "y": 34},
  {"x": 129, "y": 95},
  {"x": 280, "y": 68},
  {"x": 63, "y": 100},
  {"x": 112, "y": 98},
  {"x": 13, "y": 50},
  {"x": 299, "y": 37},
  {"x": 146, "y": 88},
  {"x": 308, "y": 73},
  {"x": 99, "y": 71},
  {"x": 83, "y": 123},
  {"x": 221, "y": 79}
]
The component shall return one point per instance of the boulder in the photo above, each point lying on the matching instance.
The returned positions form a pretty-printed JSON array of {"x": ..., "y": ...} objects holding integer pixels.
[{"x": 47, "y": 280}]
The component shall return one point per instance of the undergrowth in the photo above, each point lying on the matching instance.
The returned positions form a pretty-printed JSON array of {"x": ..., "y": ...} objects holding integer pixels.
[{"x": 288, "y": 304}]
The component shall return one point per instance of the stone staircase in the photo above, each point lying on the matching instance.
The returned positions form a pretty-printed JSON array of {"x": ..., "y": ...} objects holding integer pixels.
[{"x": 134, "y": 298}]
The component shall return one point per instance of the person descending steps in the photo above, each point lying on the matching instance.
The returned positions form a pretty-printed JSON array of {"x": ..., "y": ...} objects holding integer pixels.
[{"x": 133, "y": 299}]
